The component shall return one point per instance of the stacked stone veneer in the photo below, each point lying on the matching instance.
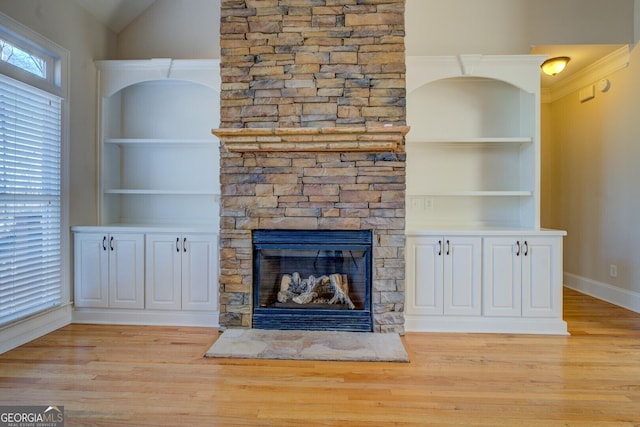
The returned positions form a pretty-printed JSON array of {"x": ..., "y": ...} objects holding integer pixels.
[{"x": 312, "y": 130}]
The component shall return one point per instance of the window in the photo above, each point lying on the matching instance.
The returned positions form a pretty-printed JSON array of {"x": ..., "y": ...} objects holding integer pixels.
[
  {"x": 22, "y": 59},
  {"x": 31, "y": 111}
]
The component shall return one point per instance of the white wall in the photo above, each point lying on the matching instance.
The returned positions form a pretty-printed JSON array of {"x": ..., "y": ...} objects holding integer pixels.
[
  {"x": 580, "y": 21},
  {"x": 178, "y": 29},
  {"x": 636, "y": 20},
  {"x": 69, "y": 26},
  {"x": 596, "y": 196},
  {"x": 450, "y": 27}
]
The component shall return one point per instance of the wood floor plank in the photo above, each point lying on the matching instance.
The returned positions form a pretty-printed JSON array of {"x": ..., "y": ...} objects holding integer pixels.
[{"x": 107, "y": 375}]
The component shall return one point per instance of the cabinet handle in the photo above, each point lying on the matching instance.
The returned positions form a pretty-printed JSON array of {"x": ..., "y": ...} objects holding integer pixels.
[
  {"x": 448, "y": 247},
  {"x": 518, "y": 245},
  {"x": 111, "y": 243},
  {"x": 526, "y": 248},
  {"x": 439, "y": 247},
  {"x": 184, "y": 245},
  {"x": 104, "y": 243},
  {"x": 177, "y": 244}
]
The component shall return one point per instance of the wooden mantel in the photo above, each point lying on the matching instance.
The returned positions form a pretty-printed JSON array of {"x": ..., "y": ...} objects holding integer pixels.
[{"x": 343, "y": 139}]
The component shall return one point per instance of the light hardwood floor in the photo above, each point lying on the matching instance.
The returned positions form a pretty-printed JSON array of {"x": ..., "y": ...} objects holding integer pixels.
[{"x": 134, "y": 376}]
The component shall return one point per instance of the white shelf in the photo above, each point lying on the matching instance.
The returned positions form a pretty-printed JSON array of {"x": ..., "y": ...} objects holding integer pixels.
[
  {"x": 161, "y": 192},
  {"x": 517, "y": 140},
  {"x": 480, "y": 194},
  {"x": 163, "y": 142},
  {"x": 168, "y": 227}
]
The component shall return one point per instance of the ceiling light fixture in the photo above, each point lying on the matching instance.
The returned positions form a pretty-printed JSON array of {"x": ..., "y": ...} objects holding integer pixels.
[{"x": 553, "y": 66}]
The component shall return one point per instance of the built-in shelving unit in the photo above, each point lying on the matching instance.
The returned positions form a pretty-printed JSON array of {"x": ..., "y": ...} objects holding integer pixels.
[
  {"x": 473, "y": 150},
  {"x": 477, "y": 259},
  {"x": 153, "y": 256},
  {"x": 159, "y": 160}
]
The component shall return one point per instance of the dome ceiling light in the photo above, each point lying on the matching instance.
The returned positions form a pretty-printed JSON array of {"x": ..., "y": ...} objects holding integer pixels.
[{"x": 553, "y": 66}]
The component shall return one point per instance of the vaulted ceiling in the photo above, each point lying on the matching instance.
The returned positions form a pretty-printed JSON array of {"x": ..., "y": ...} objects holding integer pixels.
[{"x": 116, "y": 14}]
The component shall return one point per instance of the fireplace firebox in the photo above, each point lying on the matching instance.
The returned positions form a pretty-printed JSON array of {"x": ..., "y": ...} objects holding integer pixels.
[{"x": 312, "y": 279}]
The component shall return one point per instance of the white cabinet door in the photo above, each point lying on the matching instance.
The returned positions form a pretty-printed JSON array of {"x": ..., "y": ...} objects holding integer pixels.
[
  {"x": 502, "y": 276},
  {"x": 181, "y": 272},
  {"x": 163, "y": 271},
  {"x": 424, "y": 275},
  {"x": 199, "y": 272},
  {"x": 126, "y": 270},
  {"x": 91, "y": 270},
  {"x": 109, "y": 270},
  {"x": 462, "y": 276},
  {"x": 444, "y": 275},
  {"x": 522, "y": 276},
  {"x": 541, "y": 277}
]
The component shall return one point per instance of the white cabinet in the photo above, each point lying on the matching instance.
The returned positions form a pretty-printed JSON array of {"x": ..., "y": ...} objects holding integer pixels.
[
  {"x": 146, "y": 275},
  {"x": 181, "y": 271},
  {"x": 522, "y": 276},
  {"x": 159, "y": 161},
  {"x": 109, "y": 270},
  {"x": 495, "y": 281},
  {"x": 446, "y": 274}
]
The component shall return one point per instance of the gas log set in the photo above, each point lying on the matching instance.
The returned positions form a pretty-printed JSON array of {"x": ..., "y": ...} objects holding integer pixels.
[{"x": 328, "y": 290}]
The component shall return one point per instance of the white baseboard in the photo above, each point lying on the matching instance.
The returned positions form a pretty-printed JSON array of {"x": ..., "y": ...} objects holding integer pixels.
[
  {"x": 22, "y": 332},
  {"x": 113, "y": 316},
  {"x": 604, "y": 291},
  {"x": 493, "y": 325}
]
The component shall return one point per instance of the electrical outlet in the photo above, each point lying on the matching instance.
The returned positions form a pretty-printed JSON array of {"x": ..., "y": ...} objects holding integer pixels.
[
  {"x": 613, "y": 270},
  {"x": 428, "y": 203},
  {"x": 417, "y": 203}
]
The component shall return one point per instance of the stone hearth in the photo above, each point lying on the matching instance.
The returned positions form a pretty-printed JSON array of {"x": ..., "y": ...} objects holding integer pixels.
[{"x": 313, "y": 126}]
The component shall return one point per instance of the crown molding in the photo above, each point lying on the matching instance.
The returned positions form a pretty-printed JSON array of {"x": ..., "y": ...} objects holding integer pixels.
[{"x": 600, "y": 69}]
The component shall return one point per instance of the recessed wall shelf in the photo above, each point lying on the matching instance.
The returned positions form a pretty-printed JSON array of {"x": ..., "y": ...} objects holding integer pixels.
[
  {"x": 159, "y": 160},
  {"x": 475, "y": 135}
]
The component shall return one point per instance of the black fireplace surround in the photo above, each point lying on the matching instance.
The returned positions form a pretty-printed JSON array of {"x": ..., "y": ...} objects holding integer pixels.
[{"x": 312, "y": 255}]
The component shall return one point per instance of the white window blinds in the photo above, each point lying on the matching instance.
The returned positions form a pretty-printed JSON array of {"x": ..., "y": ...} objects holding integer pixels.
[{"x": 30, "y": 141}]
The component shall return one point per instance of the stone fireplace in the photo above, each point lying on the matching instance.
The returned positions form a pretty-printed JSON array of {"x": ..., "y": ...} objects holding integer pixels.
[{"x": 312, "y": 138}]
